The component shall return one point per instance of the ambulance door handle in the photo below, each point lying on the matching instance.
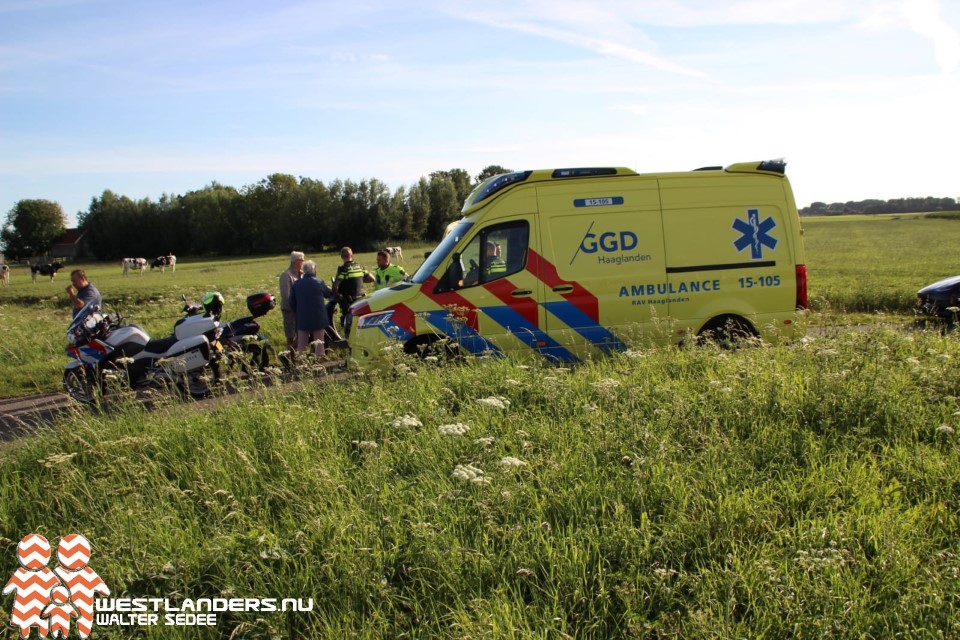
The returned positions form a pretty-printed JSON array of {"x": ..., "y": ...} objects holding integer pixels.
[
  {"x": 520, "y": 293},
  {"x": 563, "y": 288}
]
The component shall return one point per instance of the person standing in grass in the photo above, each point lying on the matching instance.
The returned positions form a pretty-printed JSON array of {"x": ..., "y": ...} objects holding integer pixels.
[
  {"x": 81, "y": 291},
  {"x": 348, "y": 285},
  {"x": 386, "y": 274},
  {"x": 287, "y": 278},
  {"x": 307, "y": 301}
]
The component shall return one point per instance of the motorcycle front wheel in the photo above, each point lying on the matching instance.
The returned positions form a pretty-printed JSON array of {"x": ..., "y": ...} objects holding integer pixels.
[{"x": 81, "y": 385}]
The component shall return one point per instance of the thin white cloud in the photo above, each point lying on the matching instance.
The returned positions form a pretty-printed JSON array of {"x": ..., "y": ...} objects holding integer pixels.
[{"x": 925, "y": 18}]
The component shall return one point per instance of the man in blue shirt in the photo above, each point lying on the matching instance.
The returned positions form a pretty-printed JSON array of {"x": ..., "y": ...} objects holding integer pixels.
[{"x": 81, "y": 291}]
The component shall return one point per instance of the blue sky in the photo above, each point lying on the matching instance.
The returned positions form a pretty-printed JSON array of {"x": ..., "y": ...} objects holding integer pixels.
[{"x": 146, "y": 98}]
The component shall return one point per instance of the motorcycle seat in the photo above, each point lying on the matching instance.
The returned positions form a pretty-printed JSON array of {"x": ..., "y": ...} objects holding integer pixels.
[{"x": 160, "y": 345}]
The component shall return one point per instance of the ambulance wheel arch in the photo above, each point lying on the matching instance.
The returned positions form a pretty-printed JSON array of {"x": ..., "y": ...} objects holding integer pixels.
[
  {"x": 727, "y": 330},
  {"x": 435, "y": 346}
]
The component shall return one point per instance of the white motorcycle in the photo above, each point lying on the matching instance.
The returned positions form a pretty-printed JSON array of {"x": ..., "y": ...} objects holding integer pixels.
[{"x": 105, "y": 350}]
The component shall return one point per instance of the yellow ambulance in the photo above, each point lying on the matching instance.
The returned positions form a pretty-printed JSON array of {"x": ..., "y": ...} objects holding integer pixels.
[{"x": 567, "y": 264}]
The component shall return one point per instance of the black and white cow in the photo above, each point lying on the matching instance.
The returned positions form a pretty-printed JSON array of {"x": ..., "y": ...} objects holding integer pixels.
[
  {"x": 137, "y": 264},
  {"x": 396, "y": 253},
  {"x": 49, "y": 269},
  {"x": 4, "y": 274},
  {"x": 162, "y": 262}
]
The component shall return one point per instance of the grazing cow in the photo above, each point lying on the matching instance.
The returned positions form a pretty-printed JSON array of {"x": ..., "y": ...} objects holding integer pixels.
[
  {"x": 396, "y": 253},
  {"x": 4, "y": 274},
  {"x": 49, "y": 269},
  {"x": 137, "y": 264},
  {"x": 161, "y": 262}
]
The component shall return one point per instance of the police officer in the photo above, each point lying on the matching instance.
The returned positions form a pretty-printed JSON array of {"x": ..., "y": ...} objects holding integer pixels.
[
  {"x": 495, "y": 264},
  {"x": 348, "y": 285},
  {"x": 386, "y": 274}
]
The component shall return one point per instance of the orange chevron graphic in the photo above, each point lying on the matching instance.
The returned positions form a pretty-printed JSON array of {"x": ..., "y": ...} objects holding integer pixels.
[{"x": 74, "y": 582}]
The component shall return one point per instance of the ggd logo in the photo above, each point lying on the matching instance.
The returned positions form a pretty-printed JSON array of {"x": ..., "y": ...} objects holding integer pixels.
[{"x": 609, "y": 241}]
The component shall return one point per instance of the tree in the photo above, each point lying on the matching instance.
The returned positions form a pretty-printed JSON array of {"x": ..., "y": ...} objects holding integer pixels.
[
  {"x": 32, "y": 227},
  {"x": 490, "y": 171},
  {"x": 444, "y": 205},
  {"x": 461, "y": 183}
]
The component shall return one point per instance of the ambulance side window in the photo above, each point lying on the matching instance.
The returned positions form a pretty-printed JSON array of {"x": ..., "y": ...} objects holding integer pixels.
[{"x": 496, "y": 252}]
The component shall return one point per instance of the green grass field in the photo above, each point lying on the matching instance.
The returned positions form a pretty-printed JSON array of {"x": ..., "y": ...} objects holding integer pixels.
[{"x": 807, "y": 490}]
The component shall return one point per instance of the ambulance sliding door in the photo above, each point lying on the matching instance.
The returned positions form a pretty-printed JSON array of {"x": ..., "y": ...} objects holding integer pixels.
[{"x": 602, "y": 260}]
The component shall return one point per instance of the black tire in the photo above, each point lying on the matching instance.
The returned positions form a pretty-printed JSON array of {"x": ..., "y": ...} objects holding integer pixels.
[
  {"x": 729, "y": 332},
  {"x": 257, "y": 355},
  {"x": 196, "y": 383},
  {"x": 80, "y": 385},
  {"x": 444, "y": 349}
]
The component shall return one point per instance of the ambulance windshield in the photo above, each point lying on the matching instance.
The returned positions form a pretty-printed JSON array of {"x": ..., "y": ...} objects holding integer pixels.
[{"x": 443, "y": 249}]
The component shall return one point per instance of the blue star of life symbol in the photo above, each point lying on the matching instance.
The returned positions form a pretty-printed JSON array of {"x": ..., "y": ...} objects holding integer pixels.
[{"x": 755, "y": 234}]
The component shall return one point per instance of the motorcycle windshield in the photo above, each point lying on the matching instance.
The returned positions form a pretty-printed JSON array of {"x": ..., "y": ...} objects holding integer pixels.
[{"x": 84, "y": 323}]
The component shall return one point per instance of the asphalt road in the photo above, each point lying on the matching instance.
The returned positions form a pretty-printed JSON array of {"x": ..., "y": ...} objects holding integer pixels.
[{"x": 25, "y": 415}]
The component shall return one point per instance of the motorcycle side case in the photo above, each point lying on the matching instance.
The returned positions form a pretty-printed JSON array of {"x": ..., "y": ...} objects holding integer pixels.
[
  {"x": 192, "y": 326},
  {"x": 188, "y": 354}
]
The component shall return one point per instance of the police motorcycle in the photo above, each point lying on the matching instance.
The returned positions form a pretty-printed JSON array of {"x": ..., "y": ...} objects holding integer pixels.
[
  {"x": 240, "y": 339},
  {"x": 105, "y": 350}
]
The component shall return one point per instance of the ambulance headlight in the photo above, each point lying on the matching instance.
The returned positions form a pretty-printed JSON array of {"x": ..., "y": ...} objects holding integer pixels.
[{"x": 380, "y": 319}]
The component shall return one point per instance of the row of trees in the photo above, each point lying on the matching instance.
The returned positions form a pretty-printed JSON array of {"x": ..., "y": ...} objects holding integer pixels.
[
  {"x": 899, "y": 205},
  {"x": 275, "y": 215},
  {"x": 282, "y": 212}
]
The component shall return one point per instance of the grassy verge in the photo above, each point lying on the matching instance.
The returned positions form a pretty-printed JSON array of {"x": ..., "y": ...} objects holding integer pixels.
[{"x": 801, "y": 491}]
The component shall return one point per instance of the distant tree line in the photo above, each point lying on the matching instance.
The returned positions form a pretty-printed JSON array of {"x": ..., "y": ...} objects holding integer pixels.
[
  {"x": 275, "y": 215},
  {"x": 899, "y": 205}
]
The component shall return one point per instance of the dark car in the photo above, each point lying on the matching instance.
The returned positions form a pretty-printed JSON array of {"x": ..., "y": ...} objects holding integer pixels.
[{"x": 940, "y": 300}]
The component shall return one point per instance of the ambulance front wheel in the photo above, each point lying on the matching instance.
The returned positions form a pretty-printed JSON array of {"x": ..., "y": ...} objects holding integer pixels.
[
  {"x": 727, "y": 331},
  {"x": 438, "y": 347}
]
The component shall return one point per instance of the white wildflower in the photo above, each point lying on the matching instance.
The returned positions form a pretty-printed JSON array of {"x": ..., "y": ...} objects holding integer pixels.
[
  {"x": 945, "y": 429},
  {"x": 607, "y": 386},
  {"x": 366, "y": 445},
  {"x": 456, "y": 429},
  {"x": 484, "y": 442},
  {"x": 495, "y": 402},
  {"x": 406, "y": 422},
  {"x": 510, "y": 461},
  {"x": 469, "y": 473},
  {"x": 590, "y": 407}
]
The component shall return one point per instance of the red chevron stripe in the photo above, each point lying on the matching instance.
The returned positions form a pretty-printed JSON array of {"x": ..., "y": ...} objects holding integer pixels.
[
  {"x": 403, "y": 317},
  {"x": 451, "y": 298},
  {"x": 546, "y": 271},
  {"x": 526, "y": 306}
]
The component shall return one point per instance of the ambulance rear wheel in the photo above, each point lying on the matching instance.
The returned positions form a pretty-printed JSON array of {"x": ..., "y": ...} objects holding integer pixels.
[{"x": 728, "y": 332}]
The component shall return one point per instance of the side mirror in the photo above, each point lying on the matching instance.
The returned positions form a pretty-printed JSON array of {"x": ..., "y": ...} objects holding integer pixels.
[{"x": 453, "y": 277}]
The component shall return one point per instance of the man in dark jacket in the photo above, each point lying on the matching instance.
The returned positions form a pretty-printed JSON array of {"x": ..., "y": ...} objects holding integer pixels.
[{"x": 307, "y": 301}]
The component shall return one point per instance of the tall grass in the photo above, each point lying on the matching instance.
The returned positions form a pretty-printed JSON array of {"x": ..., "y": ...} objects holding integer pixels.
[
  {"x": 876, "y": 263},
  {"x": 802, "y": 491}
]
